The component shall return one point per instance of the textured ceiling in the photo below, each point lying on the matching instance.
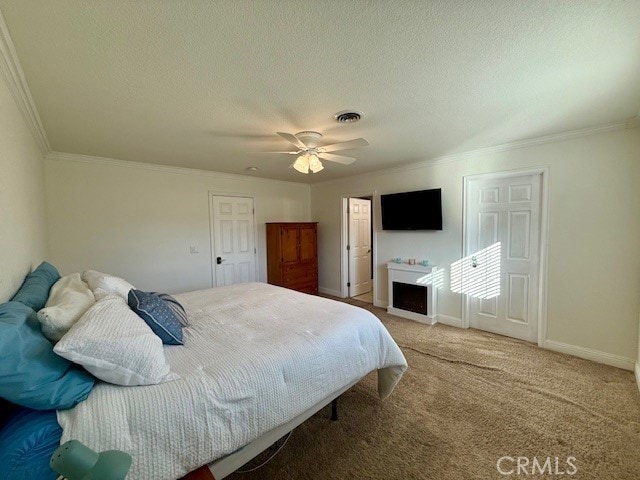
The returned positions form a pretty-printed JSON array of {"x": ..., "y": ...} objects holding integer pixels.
[{"x": 206, "y": 84}]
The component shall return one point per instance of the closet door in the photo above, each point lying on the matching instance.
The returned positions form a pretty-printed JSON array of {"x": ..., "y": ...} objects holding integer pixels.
[{"x": 499, "y": 275}]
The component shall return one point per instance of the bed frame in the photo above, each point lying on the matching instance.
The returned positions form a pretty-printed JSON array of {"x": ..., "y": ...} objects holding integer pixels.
[{"x": 224, "y": 466}]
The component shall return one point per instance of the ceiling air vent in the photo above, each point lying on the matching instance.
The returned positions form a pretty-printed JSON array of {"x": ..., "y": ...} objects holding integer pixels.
[{"x": 348, "y": 116}]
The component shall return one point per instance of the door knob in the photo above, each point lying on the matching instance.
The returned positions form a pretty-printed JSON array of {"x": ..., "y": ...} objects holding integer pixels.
[{"x": 219, "y": 260}]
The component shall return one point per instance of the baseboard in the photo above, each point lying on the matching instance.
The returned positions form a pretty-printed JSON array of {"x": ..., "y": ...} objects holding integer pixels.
[
  {"x": 638, "y": 375},
  {"x": 590, "y": 354},
  {"x": 449, "y": 320},
  {"x": 380, "y": 303},
  {"x": 416, "y": 317},
  {"x": 328, "y": 291}
]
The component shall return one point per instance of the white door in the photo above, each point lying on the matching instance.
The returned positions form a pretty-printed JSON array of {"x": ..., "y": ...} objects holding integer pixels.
[
  {"x": 360, "y": 246},
  {"x": 501, "y": 269},
  {"x": 233, "y": 240}
]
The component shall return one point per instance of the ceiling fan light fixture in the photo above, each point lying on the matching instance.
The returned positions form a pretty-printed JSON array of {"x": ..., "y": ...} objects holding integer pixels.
[
  {"x": 302, "y": 163},
  {"x": 317, "y": 167},
  {"x": 313, "y": 160}
]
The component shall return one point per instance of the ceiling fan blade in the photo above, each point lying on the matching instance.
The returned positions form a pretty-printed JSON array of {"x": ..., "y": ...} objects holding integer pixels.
[
  {"x": 334, "y": 147},
  {"x": 336, "y": 158},
  {"x": 292, "y": 139}
]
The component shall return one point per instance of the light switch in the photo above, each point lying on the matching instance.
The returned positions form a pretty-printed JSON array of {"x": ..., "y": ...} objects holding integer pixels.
[{"x": 194, "y": 249}]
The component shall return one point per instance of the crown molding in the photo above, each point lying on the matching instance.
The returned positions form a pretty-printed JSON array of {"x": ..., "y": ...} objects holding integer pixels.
[
  {"x": 456, "y": 157},
  {"x": 93, "y": 160},
  {"x": 17, "y": 83}
]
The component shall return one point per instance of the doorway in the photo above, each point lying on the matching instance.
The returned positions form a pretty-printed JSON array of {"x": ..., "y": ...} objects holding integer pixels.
[
  {"x": 502, "y": 273},
  {"x": 232, "y": 240},
  {"x": 358, "y": 250}
]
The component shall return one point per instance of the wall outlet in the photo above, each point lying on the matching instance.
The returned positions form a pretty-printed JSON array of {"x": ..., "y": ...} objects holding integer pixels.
[{"x": 194, "y": 249}]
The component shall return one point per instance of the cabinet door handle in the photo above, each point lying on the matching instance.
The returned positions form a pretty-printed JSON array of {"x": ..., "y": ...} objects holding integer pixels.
[{"x": 219, "y": 260}]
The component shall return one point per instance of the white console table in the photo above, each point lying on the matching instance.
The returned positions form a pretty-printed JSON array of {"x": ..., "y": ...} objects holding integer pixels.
[{"x": 417, "y": 275}]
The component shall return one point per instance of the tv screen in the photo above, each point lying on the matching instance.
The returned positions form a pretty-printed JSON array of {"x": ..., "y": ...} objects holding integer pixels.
[{"x": 421, "y": 210}]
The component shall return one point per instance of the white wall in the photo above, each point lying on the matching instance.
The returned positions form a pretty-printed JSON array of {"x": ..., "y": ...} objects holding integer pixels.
[
  {"x": 138, "y": 221},
  {"x": 594, "y": 247},
  {"x": 23, "y": 232}
]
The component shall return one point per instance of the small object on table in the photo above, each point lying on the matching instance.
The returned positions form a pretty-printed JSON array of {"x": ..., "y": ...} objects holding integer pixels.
[
  {"x": 412, "y": 261},
  {"x": 425, "y": 263},
  {"x": 397, "y": 260}
]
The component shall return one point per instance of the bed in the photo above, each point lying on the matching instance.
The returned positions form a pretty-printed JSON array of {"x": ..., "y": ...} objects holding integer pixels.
[{"x": 257, "y": 361}]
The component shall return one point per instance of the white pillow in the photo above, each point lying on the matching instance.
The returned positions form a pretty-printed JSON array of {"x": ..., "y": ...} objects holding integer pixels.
[
  {"x": 116, "y": 345},
  {"x": 68, "y": 300},
  {"x": 103, "y": 284}
]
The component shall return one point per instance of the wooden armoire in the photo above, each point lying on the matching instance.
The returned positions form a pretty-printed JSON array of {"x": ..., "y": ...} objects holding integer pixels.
[{"x": 292, "y": 255}]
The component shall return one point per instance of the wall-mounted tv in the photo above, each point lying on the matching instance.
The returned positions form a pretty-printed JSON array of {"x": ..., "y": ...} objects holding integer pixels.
[{"x": 421, "y": 210}]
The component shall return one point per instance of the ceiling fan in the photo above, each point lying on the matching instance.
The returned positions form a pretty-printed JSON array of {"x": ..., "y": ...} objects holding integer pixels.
[{"x": 310, "y": 153}]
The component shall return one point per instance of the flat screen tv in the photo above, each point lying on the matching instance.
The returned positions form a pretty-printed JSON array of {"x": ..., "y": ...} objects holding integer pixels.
[{"x": 421, "y": 210}]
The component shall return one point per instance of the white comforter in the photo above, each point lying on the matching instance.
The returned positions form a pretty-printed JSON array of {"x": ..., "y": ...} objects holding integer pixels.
[{"x": 254, "y": 357}]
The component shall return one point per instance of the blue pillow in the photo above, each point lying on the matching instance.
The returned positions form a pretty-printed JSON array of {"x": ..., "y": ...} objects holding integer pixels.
[
  {"x": 6, "y": 411},
  {"x": 26, "y": 444},
  {"x": 34, "y": 291},
  {"x": 32, "y": 375},
  {"x": 174, "y": 305},
  {"x": 155, "y": 311}
]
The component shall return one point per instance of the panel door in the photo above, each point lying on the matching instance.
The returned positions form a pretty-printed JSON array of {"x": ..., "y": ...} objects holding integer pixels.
[
  {"x": 233, "y": 240},
  {"x": 360, "y": 246},
  {"x": 501, "y": 268}
]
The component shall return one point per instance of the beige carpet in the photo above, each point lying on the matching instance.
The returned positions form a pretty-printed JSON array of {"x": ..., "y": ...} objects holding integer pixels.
[
  {"x": 469, "y": 398},
  {"x": 365, "y": 297}
]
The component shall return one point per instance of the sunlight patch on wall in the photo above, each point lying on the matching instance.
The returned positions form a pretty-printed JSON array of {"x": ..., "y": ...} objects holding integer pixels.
[
  {"x": 478, "y": 275},
  {"x": 435, "y": 278}
]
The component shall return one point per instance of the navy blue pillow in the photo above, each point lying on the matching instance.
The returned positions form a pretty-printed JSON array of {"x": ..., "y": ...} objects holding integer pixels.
[
  {"x": 26, "y": 444},
  {"x": 34, "y": 291},
  {"x": 31, "y": 374},
  {"x": 155, "y": 311},
  {"x": 174, "y": 305}
]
